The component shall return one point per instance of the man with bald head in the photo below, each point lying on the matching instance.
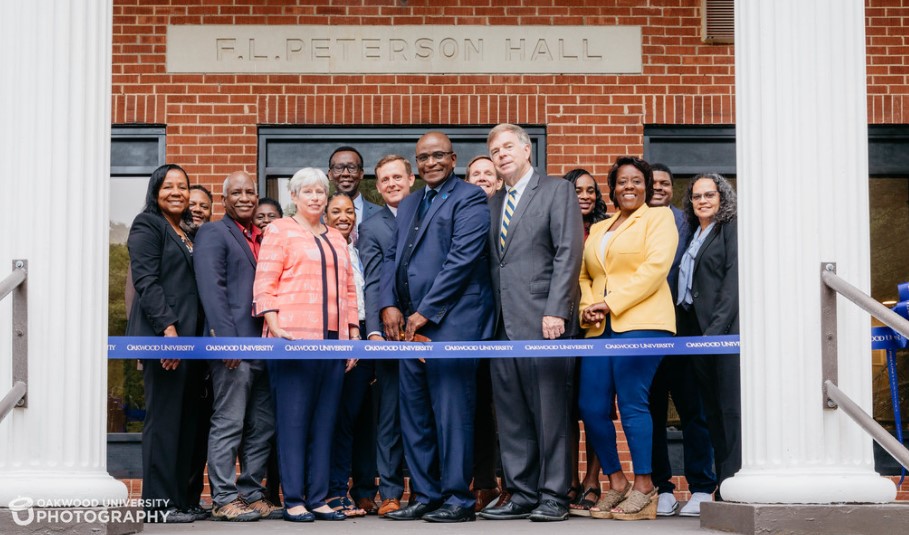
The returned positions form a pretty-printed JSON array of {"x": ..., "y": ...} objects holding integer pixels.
[
  {"x": 435, "y": 283},
  {"x": 242, "y": 423}
]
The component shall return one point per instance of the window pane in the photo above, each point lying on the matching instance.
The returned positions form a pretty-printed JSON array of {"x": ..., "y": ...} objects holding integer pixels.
[
  {"x": 889, "y": 203},
  {"x": 125, "y": 395}
]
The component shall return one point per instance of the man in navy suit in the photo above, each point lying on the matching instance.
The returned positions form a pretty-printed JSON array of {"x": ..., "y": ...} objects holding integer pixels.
[
  {"x": 436, "y": 283},
  {"x": 394, "y": 178},
  {"x": 243, "y": 419},
  {"x": 345, "y": 170}
]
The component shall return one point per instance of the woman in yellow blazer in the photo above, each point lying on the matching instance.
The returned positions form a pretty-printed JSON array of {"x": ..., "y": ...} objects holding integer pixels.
[{"x": 624, "y": 294}]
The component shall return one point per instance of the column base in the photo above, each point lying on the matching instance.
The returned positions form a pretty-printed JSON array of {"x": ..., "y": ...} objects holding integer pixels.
[
  {"x": 851, "y": 519},
  {"x": 800, "y": 486},
  {"x": 59, "y": 488},
  {"x": 71, "y": 521}
]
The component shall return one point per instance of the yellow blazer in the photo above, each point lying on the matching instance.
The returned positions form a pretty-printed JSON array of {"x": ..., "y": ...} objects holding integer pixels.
[{"x": 632, "y": 273}]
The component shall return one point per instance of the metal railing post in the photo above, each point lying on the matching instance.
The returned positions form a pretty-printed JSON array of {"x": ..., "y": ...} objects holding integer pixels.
[
  {"x": 20, "y": 332},
  {"x": 829, "y": 365},
  {"x": 16, "y": 283}
]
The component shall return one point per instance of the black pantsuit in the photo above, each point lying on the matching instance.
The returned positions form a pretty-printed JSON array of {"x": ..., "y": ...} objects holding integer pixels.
[
  {"x": 162, "y": 271},
  {"x": 715, "y": 311},
  {"x": 172, "y": 415}
]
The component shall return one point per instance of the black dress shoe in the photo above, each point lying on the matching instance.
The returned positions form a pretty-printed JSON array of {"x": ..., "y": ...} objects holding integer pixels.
[
  {"x": 451, "y": 513},
  {"x": 199, "y": 513},
  {"x": 171, "y": 515},
  {"x": 509, "y": 511},
  {"x": 329, "y": 515},
  {"x": 415, "y": 511},
  {"x": 549, "y": 511}
]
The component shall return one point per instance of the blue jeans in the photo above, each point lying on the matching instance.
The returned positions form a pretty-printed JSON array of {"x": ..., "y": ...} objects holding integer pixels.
[{"x": 630, "y": 379}]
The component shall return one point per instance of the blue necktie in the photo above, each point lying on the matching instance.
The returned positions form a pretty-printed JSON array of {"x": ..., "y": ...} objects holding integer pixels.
[{"x": 425, "y": 204}]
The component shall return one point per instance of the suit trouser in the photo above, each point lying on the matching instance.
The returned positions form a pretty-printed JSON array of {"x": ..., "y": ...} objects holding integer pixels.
[
  {"x": 676, "y": 376},
  {"x": 354, "y": 394},
  {"x": 438, "y": 400},
  {"x": 307, "y": 394},
  {"x": 200, "y": 449},
  {"x": 629, "y": 380},
  {"x": 533, "y": 405},
  {"x": 389, "y": 447},
  {"x": 242, "y": 423},
  {"x": 719, "y": 381},
  {"x": 363, "y": 463},
  {"x": 168, "y": 436},
  {"x": 484, "y": 438}
]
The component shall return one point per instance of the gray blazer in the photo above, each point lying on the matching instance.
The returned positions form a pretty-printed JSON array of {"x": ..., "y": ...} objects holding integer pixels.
[{"x": 536, "y": 274}]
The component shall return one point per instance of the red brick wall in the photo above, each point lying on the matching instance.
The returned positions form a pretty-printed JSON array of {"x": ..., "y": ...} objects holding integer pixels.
[
  {"x": 590, "y": 119},
  {"x": 211, "y": 119}
]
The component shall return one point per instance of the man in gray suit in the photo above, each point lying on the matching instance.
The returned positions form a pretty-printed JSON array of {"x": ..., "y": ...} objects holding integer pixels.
[
  {"x": 394, "y": 178},
  {"x": 535, "y": 241},
  {"x": 243, "y": 421}
]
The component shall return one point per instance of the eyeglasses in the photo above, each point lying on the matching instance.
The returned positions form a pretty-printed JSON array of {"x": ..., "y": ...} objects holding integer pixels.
[
  {"x": 350, "y": 168},
  {"x": 437, "y": 155},
  {"x": 709, "y": 195}
]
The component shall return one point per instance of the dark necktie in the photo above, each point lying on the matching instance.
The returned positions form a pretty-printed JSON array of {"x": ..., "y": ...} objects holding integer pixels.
[{"x": 425, "y": 204}]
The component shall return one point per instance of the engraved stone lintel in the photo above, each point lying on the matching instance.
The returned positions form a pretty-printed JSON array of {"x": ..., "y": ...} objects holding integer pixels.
[{"x": 404, "y": 49}]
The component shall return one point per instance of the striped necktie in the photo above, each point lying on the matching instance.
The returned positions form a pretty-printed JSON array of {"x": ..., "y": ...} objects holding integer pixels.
[{"x": 506, "y": 216}]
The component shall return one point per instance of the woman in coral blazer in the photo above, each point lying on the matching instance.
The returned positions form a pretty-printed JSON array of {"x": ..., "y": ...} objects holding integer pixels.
[
  {"x": 305, "y": 289},
  {"x": 624, "y": 294}
]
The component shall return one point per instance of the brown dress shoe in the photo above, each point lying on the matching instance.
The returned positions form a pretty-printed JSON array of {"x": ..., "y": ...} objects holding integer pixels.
[
  {"x": 484, "y": 497},
  {"x": 368, "y": 505},
  {"x": 389, "y": 505}
]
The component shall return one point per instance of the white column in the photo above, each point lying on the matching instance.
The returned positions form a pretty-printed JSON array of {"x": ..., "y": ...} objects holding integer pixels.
[
  {"x": 54, "y": 145},
  {"x": 802, "y": 150}
]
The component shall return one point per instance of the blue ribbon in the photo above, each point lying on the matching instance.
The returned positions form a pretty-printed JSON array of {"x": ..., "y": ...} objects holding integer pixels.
[
  {"x": 156, "y": 347},
  {"x": 899, "y": 342}
]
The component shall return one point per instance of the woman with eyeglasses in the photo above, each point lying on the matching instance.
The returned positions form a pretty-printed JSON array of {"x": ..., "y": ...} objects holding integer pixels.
[
  {"x": 708, "y": 304},
  {"x": 624, "y": 294}
]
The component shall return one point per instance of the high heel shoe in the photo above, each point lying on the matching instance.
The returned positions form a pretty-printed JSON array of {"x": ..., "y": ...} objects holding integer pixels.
[
  {"x": 637, "y": 506},
  {"x": 603, "y": 509},
  {"x": 581, "y": 505}
]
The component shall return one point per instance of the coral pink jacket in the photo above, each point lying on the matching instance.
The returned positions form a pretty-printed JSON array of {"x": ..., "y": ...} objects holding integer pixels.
[{"x": 289, "y": 281}]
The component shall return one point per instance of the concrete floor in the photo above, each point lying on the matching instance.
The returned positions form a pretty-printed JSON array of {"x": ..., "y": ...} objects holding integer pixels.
[{"x": 373, "y": 525}]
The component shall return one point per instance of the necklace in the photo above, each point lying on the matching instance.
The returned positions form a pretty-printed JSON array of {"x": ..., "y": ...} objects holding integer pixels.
[
  {"x": 307, "y": 226},
  {"x": 182, "y": 235}
]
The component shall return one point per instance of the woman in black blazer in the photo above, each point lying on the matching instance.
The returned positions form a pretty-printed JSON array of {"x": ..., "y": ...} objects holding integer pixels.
[
  {"x": 708, "y": 304},
  {"x": 166, "y": 304}
]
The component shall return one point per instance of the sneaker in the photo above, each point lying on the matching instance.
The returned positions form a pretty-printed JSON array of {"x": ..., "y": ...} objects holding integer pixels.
[
  {"x": 266, "y": 509},
  {"x": 235, "y": 511},
  {"x": 693, "y": 507},
  {"x": 389, "y": 505},
  {"x": 667, "y": 505}
]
